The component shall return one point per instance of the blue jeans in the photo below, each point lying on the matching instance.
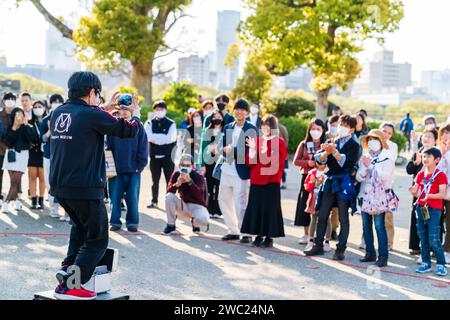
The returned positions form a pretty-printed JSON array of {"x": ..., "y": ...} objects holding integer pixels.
[
  {"x": 383, "y": 251},
  {"x": 430, "y": 235},
  {"x": 125, "y": 186}
]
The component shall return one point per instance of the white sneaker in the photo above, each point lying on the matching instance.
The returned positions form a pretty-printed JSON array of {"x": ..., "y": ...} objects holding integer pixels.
[
  {"x": 310, "y": 245},
  {"x": 5, "y": 208},
  {"x": 54, "y": 214},
  {"x": 17, "y": 205},
  {"x": 62, "y": 219},
  {"x": 304, "y": 239},
  {"x": 326, "y": 246},
  {"x": 419, "y": 260}
]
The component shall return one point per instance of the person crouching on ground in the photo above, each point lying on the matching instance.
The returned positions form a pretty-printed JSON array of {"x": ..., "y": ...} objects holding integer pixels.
[
  {"x": 190, "y": 203},
  {"x": 263, "y": 216},
  {"x": 376, "y": 167},
  {"x": 430, "y": 188}
]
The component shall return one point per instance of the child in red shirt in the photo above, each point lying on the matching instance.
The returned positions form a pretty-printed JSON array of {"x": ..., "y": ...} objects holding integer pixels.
[{"x": 430, "y": 189}]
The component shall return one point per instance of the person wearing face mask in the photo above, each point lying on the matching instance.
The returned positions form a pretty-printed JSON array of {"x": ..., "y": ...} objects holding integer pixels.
[
  {"x": 78, "y": 175},
  {"x": 304, "y": 159},
  {"x": 192, "y": 138},
  {"x": 254, "y": 115},
  {"x": 341, "y": 157},
  {"x": 8, "y": 104},
  {"x": 162, "y": 136},
  {"x": 374, "y": 172},
  {"x": 429, "y": 123},
  {"x": 18, "y": 137},
  {"x": 389, "y": 131},
  {"x": 209, "y": 153},
  {"x": 190, "y": 202},
  {"x": 266, "y": 155},
  {"x": 222, "y": 102},
  {"x": 414, "y": 166},
  {"x": 130, "y": 158},
  {"x": 56, "y": 100},
  {"x": 36, "y": 159}
]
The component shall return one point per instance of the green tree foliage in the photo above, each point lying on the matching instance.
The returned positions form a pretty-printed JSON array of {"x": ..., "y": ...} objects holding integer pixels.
[
  {"x": 324, "y": 35},
  {"x": 122, "y": 33},
  {"x": 297, "y": 131},
  {"x": 181, "y": 96},
  {"x": 255, "y": 84},
  {"x": 33, "y": 85}
]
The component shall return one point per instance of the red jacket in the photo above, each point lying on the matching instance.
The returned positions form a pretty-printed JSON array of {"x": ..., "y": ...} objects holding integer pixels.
[
  {"x": 268, "y": 167},
  {"x": 302, "y": 157},
  {"x": 194, "y": 193}
]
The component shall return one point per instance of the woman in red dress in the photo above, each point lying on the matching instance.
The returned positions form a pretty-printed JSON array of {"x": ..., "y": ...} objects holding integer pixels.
[{"x": 266, "y": 157}]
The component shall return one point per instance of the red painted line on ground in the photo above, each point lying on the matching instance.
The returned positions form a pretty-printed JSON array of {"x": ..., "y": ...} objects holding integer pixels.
[{"x": 130, "y": 234}]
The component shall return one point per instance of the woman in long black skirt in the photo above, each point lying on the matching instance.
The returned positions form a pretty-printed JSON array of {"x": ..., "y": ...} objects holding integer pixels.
[
  {"x": 263, "y": 216},
  {"x": 315, "y": 136}
]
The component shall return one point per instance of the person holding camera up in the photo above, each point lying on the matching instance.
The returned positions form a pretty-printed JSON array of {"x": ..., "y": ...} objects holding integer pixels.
[
  {"x": 341, "y": 157},
  {"x": 430, "y": 188},
  {"x": 18, "y": 138},
  {"x": 190, "y": 203},
  {"x": 78, "y": 176},
  {"x": 130, "y": 158}
]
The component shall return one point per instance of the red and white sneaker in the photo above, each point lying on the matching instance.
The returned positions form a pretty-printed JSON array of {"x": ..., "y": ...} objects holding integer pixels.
[{"x": 62, "y": 293}]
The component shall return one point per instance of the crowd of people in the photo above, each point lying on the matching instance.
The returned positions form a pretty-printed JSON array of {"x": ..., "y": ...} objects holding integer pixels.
[{"x": 233, "y": 166}]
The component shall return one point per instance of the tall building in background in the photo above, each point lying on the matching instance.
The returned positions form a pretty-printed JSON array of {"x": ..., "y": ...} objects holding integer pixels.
[
  {"x": 437, "y": 84},
  {"x": 226, "y": 35},
  {"x": 383, "y": 81},
  {"x": 382, "y": 74},
  {"x": 59, "y": 51},
  {"x": 298, "y": 79},
  {"x": 194, "y": 69}
]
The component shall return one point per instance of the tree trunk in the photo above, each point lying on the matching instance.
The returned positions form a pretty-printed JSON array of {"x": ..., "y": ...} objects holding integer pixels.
[
  {"x": 322, "y": 104},
  {"x": 141, "y": 78}
]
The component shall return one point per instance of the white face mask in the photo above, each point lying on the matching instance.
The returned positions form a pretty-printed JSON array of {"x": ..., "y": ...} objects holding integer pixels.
[
  {"x": 207, "y": 113},
  {"x": 10, "y": 103},
  {"x": 319, "y": 173},
  {"x": 186, "y": 170},
  {"x": 429, "y": 127},
  {"x": 343, "y": 131},
  {"x": 160, "y": 114},
  {"x": 315, "y": 134},
  {"x": 254, "y": 110},
  {"x": 38, "y": 112},
  {"x": 374, "y": 145}
]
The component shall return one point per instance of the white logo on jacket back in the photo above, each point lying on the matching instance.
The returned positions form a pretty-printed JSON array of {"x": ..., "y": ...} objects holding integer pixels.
[{"x": 63, "y": 123}]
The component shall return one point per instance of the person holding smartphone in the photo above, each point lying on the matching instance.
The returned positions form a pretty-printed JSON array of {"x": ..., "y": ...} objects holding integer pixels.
[
  {"x": 18, "y": 138},
  {"x": 315, "y": 136},
  {"x": 190, "y": 202}
]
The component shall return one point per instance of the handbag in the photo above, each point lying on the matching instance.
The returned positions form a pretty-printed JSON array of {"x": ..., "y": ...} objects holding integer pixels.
[
  {"x": 11, "y": 155},
  {"x": 375, "y": 199},
  {"x": 110, "y": 166},
  {"x": 217, "y": 172}
]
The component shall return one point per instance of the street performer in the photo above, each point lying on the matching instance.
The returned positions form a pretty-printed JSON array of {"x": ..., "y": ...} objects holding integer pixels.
[{"x": 78, "y": 176}]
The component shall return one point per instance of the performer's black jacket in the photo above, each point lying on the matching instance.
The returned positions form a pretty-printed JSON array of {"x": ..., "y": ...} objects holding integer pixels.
[{"x": 77, "y": 163}]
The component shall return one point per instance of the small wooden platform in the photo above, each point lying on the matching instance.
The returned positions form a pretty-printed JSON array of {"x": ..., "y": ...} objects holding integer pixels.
[{"x": 48, "y": 295}]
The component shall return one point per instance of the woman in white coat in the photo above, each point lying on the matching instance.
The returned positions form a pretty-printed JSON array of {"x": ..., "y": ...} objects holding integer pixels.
[{"x": 375, "y": 172}]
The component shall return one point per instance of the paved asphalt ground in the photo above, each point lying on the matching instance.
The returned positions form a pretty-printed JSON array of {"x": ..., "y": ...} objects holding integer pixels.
[{"x": 190, "y": 266}]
